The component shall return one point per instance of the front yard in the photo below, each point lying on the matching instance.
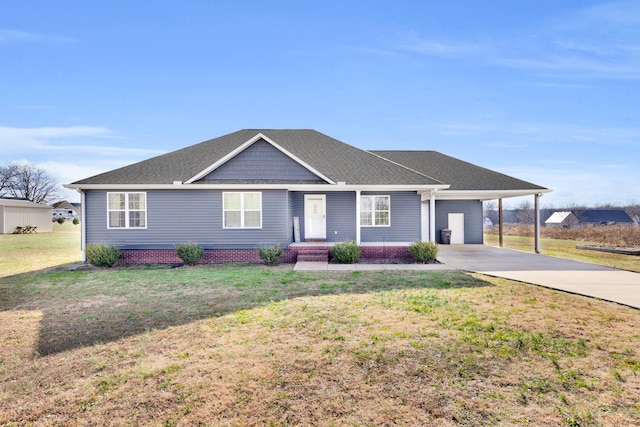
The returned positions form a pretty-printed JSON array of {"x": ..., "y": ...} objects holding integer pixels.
[{"x": 253, "y": 345}]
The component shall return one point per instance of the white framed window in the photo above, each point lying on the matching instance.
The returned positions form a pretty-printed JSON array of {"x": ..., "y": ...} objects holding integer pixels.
[
  {"x": 242, "y": 210},
  {"x": 375, "y": 211},
  {"x": 127, "y": 210}
]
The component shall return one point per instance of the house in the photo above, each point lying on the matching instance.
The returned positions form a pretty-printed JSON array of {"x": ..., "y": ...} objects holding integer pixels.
[
  {"x": 22, "y": 213},
  {"x": 293, "y": 188},
  {"x": 65, "y": 210},
  {"x": 562, "y": 220},
  {"x": 588, "y": 217}
]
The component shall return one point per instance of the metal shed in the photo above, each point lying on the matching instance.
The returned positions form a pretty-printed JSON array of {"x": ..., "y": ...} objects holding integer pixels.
[{"x": 20, "y": 213}]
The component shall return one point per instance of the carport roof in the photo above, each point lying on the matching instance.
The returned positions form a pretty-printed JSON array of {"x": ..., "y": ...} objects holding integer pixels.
[{"x": 461, "y": 175}]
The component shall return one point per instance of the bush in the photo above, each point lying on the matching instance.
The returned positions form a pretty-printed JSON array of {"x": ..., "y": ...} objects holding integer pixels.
[
  {"x": 102, "y": 255},
  {"x": 189, "y": 253},
  {"x": 423, "y": 252},
  {"x": 271, "y": 254},
  {"x": 346, "y": 252},
  {"x": 76, "y": 221},
  {"x": 60, "y": 220}
]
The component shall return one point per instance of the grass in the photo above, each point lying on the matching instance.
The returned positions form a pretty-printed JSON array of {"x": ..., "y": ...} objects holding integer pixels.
[
  {"x": 258, "y": 345},
  {"x": 263, "y": 346},
  {"x": 20, "y": 253},
  {"x": 567, "y": 249}
]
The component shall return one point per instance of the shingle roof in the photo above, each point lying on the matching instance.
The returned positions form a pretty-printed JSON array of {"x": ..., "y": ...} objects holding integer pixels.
[
  {"x": 63, "y": 204},
  {"x": 459, "y": 174},
  {"x": 599, "y": 216},
  {"x": 334, "y": 159}
]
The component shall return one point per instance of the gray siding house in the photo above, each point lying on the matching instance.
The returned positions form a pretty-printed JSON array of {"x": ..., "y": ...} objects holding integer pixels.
[{"x": 294, "y": 188}]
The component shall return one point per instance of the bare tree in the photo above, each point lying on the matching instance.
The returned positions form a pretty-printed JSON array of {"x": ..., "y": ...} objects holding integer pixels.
[
  {"x": 524, "y": 213},
  {"x": 7, "y": 173},
  {"x": 491, "y": 210},
  {"x": 22, "y": 180}
]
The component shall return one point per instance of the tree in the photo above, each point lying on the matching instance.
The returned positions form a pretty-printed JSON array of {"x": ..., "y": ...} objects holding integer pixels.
[
  {"x": 524, "y": 213},
  {"x": 22, "y": 180}
]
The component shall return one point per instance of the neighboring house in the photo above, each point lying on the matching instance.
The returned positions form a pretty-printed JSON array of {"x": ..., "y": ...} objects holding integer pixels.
[
  {"x": 562, "y": 220},
  {"x": 293, "y": 188},
  {"x": 64, "y": 209},
  {"x": 22, "y": 213},
  {"x": 588, "y": 217}
]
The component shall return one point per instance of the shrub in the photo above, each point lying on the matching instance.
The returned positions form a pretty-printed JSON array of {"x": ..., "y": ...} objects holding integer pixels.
[
  {"x": 423, "y": 252},
  {"x": 102, "y": 255},
  {"x": 60, "y": 220},
  {"x": 189, "y": 253},
  {"x": 271, "y": 254},
  {"x": 346, "y": 252},
  {"x": 76, "y": 221}
]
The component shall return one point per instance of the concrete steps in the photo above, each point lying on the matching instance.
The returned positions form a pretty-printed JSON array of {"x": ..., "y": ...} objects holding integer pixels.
[{"x": 312, "y": 254}]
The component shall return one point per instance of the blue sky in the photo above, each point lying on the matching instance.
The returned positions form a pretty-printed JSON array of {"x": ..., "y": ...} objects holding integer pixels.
[{"x": 547, "y": 91}]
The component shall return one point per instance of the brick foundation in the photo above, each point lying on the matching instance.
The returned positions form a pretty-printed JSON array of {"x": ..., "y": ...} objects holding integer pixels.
[
  {"x": 221, "y": 256},
  {"x": 391, "y": 253},
  {"x": 211, "y": 256}
]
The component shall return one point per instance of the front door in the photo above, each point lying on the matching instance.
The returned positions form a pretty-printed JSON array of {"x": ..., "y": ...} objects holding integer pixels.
[
  {"x": 456, "y": 225},
  {"x": 315, "y": 216}
]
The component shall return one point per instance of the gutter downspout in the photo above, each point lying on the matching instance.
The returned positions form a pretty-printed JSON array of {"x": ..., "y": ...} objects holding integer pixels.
[
  {"x": 536, "y": 221},
  {"x": 432, "y": 216},
  {"x": 500, "y": 240},
  {"x": 358, "y": 217}
]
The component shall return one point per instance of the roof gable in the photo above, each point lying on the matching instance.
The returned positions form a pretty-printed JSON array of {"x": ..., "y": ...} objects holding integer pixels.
[
  {"x": 557, "y": 217},
  {"x": 261, "y": 162},
  {"x": 260, "y": 159}
]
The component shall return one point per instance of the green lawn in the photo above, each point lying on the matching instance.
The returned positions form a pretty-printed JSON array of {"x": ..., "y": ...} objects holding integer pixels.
[{"x": 20, "y": 253}]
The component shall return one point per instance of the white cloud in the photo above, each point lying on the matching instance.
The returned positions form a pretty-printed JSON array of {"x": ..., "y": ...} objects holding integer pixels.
[
  {"x": 580, "y": 184},
  {"x": 424, "y": 46},
  {"x": 540, "y": 132},
  {"x": 45, "y": 141},
  {"x": 17, "y": 36}
]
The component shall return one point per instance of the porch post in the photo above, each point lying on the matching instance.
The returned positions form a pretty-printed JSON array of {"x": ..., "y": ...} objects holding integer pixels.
[
  {"x": 500, "y": 242},
  {"x": 432, "y": 216},
  {"x": 83, "y": 226},
  {"x": 536, "y": 221},
  {"x": 358, "y": 217}
]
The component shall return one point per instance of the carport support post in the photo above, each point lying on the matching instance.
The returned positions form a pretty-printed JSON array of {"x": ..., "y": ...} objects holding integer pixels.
[
  {"x": 432, "y": 216},
  {"x": 500, "y": 242},
  {"x": 536, "y": 221}
]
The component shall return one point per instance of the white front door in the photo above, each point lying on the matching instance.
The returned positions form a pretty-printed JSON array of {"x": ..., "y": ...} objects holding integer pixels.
[
  {"x": 315, "y": 216},
  {"x": 456, "y": 225}
]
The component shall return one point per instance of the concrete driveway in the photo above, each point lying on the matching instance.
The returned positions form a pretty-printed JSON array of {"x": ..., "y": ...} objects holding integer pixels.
[{"x": 572, "y": 276}]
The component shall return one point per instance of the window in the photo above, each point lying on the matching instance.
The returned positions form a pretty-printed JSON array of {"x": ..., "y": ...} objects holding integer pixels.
[
  {"x": 242, "y": 210},
  {"x": 127, "y": 210},
  {"x": 374, "y": 211}
]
